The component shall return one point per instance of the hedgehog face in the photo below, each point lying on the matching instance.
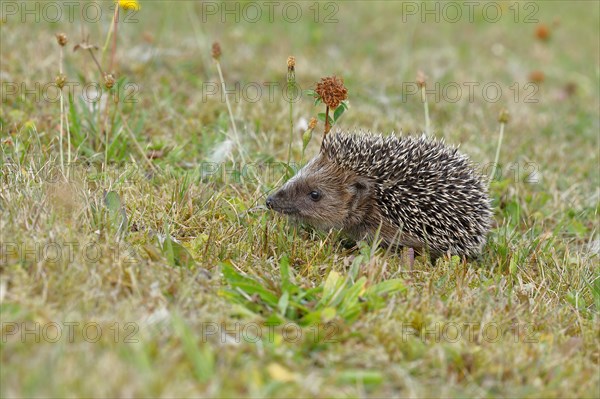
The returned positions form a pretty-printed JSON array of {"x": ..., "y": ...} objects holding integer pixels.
[{"x": 324, "y": 196}]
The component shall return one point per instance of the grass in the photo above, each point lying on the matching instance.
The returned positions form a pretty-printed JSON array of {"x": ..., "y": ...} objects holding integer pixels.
[{"x": 164, "y": 277}]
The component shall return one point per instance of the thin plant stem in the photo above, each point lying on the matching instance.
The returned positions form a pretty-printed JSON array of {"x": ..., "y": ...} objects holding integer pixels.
[
  {"x": 137, "y": 145},
  {"x": 97, "y": 63},
  {"x": 105, "y": 137},
  {"x": 60, "y": 138},
  {"x": 426, "y": 108},
  {"x": 114, "y": 27},
  {"x": 106, "y": 112},
  {"x": 101, "y": 77},
  {"x": 68, "y": 139},
  {"x": 105, "y": 124},
  {"x": 60, "y": 60},
  {"x": 291, "y": 131},
  {"x": 497, "y": 157},
  {"x": 60, "y": 141},
  {"x": 236, "y": 137},
  {"x": 114, "y": 46},
  {"x": 63, "y": 116},
  {"x": 291, "y": 84},
  {"x": 110, "y": 31},
  {"x": 114, "y": 112},
  {"x": 107, "y": 107},
  {"x": 327, "y": 127}
]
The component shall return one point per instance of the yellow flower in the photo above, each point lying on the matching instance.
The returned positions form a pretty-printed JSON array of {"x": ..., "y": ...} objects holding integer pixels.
[{"x": 129, "y": 4}]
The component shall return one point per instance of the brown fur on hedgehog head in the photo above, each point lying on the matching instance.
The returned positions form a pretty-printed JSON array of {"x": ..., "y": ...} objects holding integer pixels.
[{"x": 327, "y": 196}]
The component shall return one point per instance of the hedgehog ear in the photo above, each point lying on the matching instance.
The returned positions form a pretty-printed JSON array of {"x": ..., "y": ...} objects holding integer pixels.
[{"x": 361, "y": 188}]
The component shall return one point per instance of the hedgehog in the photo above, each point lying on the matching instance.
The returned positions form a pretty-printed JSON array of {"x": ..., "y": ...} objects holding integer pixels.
[{"x": 407, "y": 191}]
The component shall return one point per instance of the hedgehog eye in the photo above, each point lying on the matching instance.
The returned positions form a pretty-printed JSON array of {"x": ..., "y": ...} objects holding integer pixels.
[{"x": 315, "y": 195}]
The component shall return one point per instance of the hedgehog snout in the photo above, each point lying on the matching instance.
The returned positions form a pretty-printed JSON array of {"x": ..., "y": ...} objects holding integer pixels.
[
  {"x": 280, "y": 202},
  {"x": 275, "y": 201}
]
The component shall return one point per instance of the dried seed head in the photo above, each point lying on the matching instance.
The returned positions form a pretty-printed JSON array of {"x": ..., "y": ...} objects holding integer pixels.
[
  {"x": 60, "y": 80},
  {"x": 313, "y": 123},
  {"x": 291, "y": 63},
  {"x": 148, "y": 37},
  {"x": 421, "y": 79},
  {"x": 570, "y": 89},
  {"x": 85, "y": 45},
  {"x": 291, "y": 71},
  {"x": 542, "y": 32},
  {"x": 504, "y": 116},
  {"x": 61, "y": 38},
  {"x": 109, "y": 80},
  {"x": 537, "y": 76},
  {"x": 332, "y": 91},
  {"x": 216, "y": 51}
]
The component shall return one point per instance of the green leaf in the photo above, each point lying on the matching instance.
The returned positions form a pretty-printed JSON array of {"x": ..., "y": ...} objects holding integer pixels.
[
  {"x": 289, "y": 170},
  {"x": 167, "y": 249},
  {"x": 75, "y": 124},
  {"x": 306, "y": 137},
  {"x": 116, "y": 213},
  {"x": 513, "y": 211},
  {"x": 455, "y": 261},
  {"x": 355, "y": 267},
  {"x": 282, "y": 305},
  {"x": 177, "y": 255},
  {"x": 513, "y": 266},
  {"x": 366, "y": 377},
  {"x": 338, "y": 112},
  {"x": 328, "y": 314},
  {"x": 248, "y": 285},
  {"x": 387, "y": 287},
  {"x": 350, "y": 297},
  {"x": 333, "y": 284},
  {"x": 319, "y": 316},
  {"x": 112, "y": 201},
  {"x": 309, "y": 295},
  {"x": 576, "y": 299},
  {"x": 595, "y": 288},
  {"x": 321, "y": 117},
  {"x": 202, "y": 357},
  {"x": 284, "y": 270}
]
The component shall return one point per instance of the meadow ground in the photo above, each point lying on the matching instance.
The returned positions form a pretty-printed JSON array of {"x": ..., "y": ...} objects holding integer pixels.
[{"x": 136, "y": 259}]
